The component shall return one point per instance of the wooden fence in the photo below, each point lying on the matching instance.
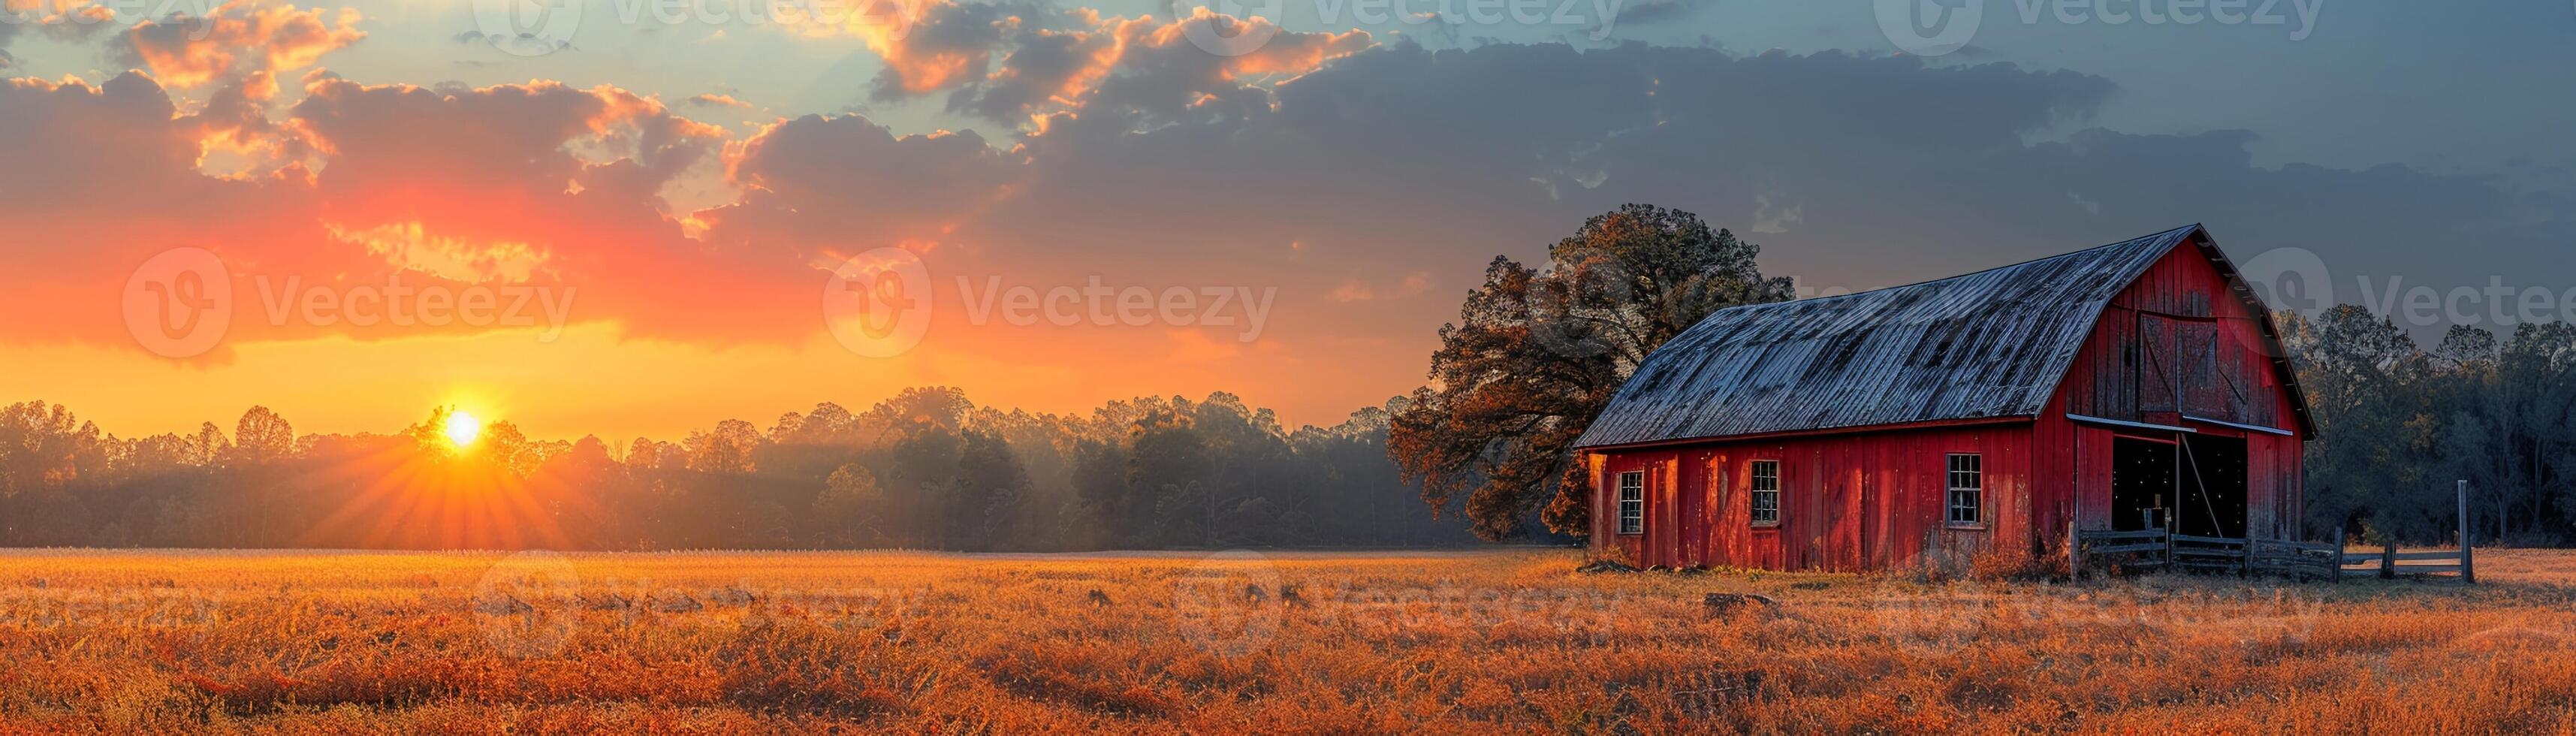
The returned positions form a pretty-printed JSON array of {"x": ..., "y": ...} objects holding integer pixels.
[
  {"x": 2153, "y": 548},
  {"x": 2389, "y": 563},
  {"x": 2156, "y": 548}
]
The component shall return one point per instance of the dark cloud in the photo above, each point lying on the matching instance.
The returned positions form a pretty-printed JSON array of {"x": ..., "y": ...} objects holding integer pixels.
[{"x": 1367, "y": 182}]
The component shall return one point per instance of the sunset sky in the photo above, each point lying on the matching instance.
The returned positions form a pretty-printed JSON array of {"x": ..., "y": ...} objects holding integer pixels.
[{"x": 683, "y": 184}]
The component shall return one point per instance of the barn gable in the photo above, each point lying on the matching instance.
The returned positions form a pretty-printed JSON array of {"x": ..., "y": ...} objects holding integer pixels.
[{"x": 1992, "y": 344}]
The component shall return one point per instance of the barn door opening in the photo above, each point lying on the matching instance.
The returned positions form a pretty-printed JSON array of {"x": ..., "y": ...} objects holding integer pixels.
[
  {"x": 2213, "y": 495},
  {"x": 2142, "y": 481}
]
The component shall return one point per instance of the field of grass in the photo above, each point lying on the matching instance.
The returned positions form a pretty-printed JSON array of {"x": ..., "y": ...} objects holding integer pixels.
[{"x": 1287, "y": 643}]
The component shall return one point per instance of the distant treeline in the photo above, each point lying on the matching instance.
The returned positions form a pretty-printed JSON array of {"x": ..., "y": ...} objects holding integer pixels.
[
  {"x": 925, "y": 469},
  {"x": 2400, "y": 425}
]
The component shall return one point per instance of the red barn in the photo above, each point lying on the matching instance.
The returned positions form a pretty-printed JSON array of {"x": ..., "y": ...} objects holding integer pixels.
[{"x": 2132, "y": 384}]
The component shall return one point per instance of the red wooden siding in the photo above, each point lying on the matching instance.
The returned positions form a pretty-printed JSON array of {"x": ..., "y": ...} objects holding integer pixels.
[
  {"x": 2176, "y": 343},
  {"x": 1849, "y": 502}
]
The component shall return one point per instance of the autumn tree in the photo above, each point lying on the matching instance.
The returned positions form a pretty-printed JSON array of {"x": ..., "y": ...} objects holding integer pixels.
[{"x": 1538, "y": 352}]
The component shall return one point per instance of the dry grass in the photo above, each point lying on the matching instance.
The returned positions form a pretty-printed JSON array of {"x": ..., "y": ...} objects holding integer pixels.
[{"x": 1499, "y": 641}]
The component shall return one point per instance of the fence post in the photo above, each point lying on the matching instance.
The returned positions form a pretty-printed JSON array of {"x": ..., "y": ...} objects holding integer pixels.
[
  {"x": 2074, "y": 553},
  {"x": 2468, "y": 570},
  {"x": 2388, "y": 561}
]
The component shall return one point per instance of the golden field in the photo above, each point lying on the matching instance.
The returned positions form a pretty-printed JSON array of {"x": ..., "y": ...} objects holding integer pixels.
[{"x": 1500, "y": 641}]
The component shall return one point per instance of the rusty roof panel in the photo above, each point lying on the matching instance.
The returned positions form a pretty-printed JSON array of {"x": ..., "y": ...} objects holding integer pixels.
[{"x": 1988, "y": 344}]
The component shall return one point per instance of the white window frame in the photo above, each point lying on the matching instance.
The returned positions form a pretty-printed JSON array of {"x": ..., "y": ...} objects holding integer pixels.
[
  {"x": 1965, "y": 473},
  {"x": 1632, "y": 502},
  {"x": 1761, "y": 513}
]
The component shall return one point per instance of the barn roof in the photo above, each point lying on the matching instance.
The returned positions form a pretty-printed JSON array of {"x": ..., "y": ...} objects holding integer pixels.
[{"x": 1985, "y": 345}]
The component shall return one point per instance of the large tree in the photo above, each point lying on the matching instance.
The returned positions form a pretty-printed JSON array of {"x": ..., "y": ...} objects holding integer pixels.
[{"x": 1537, "y": 353}]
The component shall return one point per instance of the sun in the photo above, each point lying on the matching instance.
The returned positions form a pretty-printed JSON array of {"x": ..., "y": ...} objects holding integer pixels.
[{"x": 462, "y": 428}]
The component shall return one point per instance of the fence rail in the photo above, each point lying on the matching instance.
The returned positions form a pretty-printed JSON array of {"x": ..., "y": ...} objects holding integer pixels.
[
  {"x": 2163, "y": 548},
  {"x": 2390, "y": 563},
  {"x": 2155, "y": 548}
]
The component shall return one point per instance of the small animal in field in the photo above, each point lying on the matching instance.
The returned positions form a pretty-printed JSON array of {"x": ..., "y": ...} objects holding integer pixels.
[{"x": 1099, "y": 598}]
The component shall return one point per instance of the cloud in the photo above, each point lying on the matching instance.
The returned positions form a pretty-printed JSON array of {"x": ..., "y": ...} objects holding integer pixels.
[
  {"x": 1007, "y": 62},
  {"x": 718, "y": 100},
  {"x": 237, "y": 37},
  {"x": 1123, "y": 153}
]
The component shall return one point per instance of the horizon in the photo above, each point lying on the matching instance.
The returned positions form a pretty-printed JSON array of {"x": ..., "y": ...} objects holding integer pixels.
[{"x": 642, "y": 223}]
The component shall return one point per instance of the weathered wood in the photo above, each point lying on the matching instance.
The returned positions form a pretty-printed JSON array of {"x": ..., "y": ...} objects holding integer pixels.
[
  {"x": 2447, "y": 554},
  {"x": 2074, "y": 552},
  {"x": 2208, "y": 540},
  {"x": 2426, "y": 569},
  {"x": 2091, "y": 535},
  {"x": 2119, "y": 549},
  {"x": 2468, "y": 568},
  {"x": 2388, "y": 561}
]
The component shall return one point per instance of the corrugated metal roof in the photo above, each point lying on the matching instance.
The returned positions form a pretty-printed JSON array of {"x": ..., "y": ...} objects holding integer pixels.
[{"x": 1988, "y": 344}]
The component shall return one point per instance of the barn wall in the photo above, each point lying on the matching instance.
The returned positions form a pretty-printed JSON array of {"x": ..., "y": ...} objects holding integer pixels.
[
  {"x": 1848, "y": 502},
  {"x": 2176, "y": 342}
]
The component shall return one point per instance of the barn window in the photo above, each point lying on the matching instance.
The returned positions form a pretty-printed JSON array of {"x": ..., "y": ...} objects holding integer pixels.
[
  {"x": 1967, "y": 489},
  {"x": 1632, "y": 502},
  {"x": 1766, "y": 492}
]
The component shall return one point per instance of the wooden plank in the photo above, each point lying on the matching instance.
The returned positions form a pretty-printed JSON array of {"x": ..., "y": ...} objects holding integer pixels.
[
  {"x": 2440, "y": 555},
  {"x": 2206, "y": 540},
  {"x": 2090, "y": 535},
  {"x": 2426, "y": 569},
  {"x": 2125, "y": 548}
]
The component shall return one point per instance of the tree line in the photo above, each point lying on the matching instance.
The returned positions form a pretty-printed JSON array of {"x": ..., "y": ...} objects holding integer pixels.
[
  {"x": 926, "y": 469},
  {"x": 1537, "y": 352},
  {"x": 2399, "y": 425}
]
